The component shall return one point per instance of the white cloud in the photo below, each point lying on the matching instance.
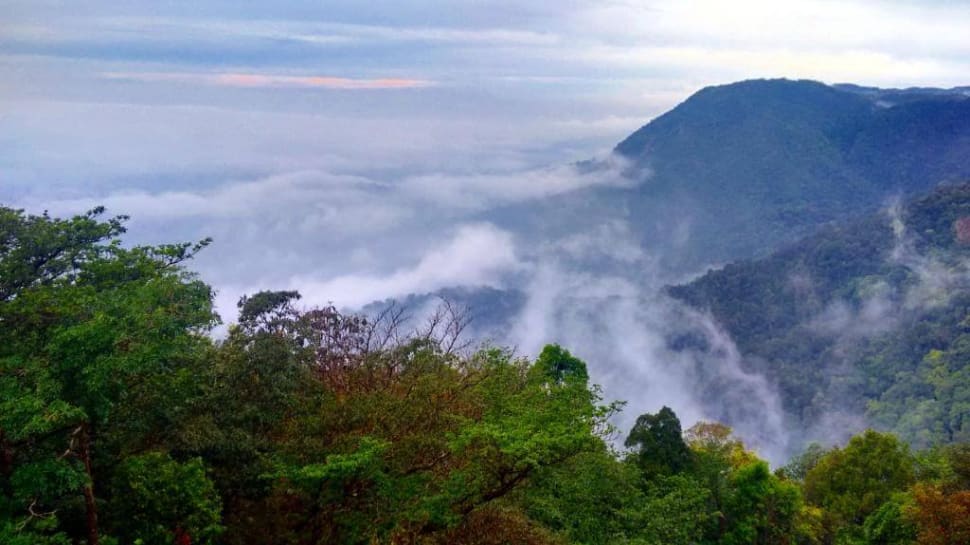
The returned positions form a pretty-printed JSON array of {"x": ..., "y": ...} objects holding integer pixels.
[
  {"x": 307, "y": 202},
  {"x": 477, "y": 255},
  {"x": 486, "y": 190},
  {"x": 891, "y": 43}
]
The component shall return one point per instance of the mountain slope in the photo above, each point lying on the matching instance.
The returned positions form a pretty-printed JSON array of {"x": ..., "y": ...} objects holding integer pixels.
[
  {"x": 869, "y": 318},
  {"x": 758, "y": 163}
]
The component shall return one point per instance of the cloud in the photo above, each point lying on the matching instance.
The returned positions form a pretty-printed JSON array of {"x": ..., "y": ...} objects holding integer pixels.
[
  {"x": 574, "y": 44},
  {"x": 251, "y": 80},
  {"x": 482, "y": 190},
  {"x": 611, "y": 240},
  {"x": 882, "y": 308},
  {"x": 314, "y": 201},
  {"x": 621, "y": 326},
  {"x": 476, "y": 255}
]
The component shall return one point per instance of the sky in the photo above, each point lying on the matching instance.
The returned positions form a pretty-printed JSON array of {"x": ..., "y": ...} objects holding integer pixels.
[{"x": 352, "y": 150}]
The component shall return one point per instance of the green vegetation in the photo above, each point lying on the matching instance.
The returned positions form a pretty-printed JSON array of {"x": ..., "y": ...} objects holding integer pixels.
[
  {"x": 737, "y": 170},
  {"x": 859, "y": 320},
  {"x": 122, "y": 422}
]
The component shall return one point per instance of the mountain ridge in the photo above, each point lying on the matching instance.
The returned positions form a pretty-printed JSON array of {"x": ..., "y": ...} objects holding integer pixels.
[
  {"x": 867, "y": 318},
  {"x": 767, "y": 161}
]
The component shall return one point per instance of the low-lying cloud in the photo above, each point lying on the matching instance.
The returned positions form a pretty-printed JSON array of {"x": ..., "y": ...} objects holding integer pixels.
[
  {"x": 476, "y": 255},
  {"x": 622, "y": 327}
]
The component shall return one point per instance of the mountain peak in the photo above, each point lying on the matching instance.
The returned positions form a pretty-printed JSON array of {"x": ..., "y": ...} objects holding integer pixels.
[{"x": 760, "y": 162}]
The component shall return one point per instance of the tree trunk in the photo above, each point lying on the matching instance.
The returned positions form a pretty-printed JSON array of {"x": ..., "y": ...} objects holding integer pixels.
[
  {"x": 6, "y": 456},
  {"x": 91, "y": 506}
]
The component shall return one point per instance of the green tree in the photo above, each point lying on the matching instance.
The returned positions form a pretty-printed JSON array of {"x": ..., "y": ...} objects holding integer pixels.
[
  {"x": 853, "y": 482},
  {"x": 888, "y": 525},
  {"x": 89, "y": 330},
  {"x": 158, "y": 501},
  {"x": 760, "y": 508},
  {"x": 659, "y": 447},
  {"x": 677, "y": 511},
  {"x": 556, "y": 364},
  {"x": 593, "y": 498}
]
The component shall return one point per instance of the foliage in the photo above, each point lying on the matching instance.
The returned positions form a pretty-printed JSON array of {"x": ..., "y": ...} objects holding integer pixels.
[
  {"x": 89, "y": 331},
  {"x": 940, "y": 518},
  {"x": 122, "y": 422},
  {"x": 161, "y": 500},
  {"x": 864, "y": 318},
  {"x": 852, "y": 482},
  {"x": 659, "y": 442},
  {"x": 888, "y": 525}
]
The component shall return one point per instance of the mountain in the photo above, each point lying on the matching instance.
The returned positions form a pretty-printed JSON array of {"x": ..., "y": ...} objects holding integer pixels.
[
  {"x": 751, "y": 165},
  {"x": 739, "y": 170},
  {"x": 784, "y": 179},
  {"x": 867, "y": 320}
]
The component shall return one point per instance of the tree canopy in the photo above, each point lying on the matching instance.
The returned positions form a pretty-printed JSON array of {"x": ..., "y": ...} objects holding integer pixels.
[{"x": 123, "y": 422}]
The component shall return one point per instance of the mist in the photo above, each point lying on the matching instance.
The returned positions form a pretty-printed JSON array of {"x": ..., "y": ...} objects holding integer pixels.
[{"x": 632, "y": 336}]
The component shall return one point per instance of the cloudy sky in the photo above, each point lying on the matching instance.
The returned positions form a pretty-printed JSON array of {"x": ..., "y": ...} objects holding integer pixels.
[{"x": 351, "y": 149}]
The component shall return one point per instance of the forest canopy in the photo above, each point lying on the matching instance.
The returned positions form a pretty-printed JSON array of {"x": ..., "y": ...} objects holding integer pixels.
[{"x": 122, "y": 421}]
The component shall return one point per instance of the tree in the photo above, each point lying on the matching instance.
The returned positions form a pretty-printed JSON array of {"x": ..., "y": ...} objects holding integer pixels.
[
  {"x": 760, "y": 508},
  {"x": 940, "y": 518},
  {"x": 591, "y": 498},
  {"x": 556, "y": 364},
  {"x": 160, "y": 501},
  {"x": 889, "y": 525},
  {"x": 88, "y": 329},
  {"x": 853, "y": 482},
  {"x": 677, "y": 511},
  {"x": 800, "y": 465},
  {"x": 659, "y": 444},
  {"x": 40, "y": 250}
]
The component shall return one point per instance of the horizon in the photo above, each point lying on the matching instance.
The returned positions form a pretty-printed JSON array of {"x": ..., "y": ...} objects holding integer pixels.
[{"x": 275, "y": 129}]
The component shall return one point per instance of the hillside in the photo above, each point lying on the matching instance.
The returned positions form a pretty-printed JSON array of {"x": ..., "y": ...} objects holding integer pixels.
[
  {"x": 866, "y": 319},
  {"x": 754, "y": 164}
]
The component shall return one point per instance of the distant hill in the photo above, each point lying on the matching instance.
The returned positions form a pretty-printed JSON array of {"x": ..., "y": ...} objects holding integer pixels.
[
  {"x": 754, "y": 164},
  {"x": 869, "y": 318}
]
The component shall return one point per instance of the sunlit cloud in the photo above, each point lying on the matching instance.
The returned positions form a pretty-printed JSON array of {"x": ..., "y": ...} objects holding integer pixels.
[{"x": 253, "y": 80}]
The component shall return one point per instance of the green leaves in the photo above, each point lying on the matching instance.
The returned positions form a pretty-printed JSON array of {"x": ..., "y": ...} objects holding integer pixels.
[
  {"x": 159, "y": 499},
  {"x": 121, "y": 421},
  {"x": 659, "y": 443},
  {"x": 363, "y": 463},
  {"x": 852, "y": 483},
  {"x": 86, "y": 328},
  {"x": 38, "y": 250},
  {"x": 557, "y": 365},
  {"x": 45, "y": 481}
]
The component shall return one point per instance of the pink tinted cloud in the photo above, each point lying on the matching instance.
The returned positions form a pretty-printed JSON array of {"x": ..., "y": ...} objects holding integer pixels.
[{"x": 270, "y": 80}]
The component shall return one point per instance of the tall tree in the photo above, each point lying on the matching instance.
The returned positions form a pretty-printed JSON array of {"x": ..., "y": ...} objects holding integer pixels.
[
  {"x": 86, "y": 327},
  {"x": 658, "y": 443}
]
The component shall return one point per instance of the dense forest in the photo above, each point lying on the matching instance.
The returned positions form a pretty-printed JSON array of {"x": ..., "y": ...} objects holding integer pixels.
[
  {"x": 866, "y": 318},
  {"x": 122, "y": 421},
  {"x": 756, "y": 164}
]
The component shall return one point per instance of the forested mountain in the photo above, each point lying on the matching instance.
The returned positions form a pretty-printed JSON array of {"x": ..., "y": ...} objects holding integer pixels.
[
  {"x": 737, "y": 172},
  {"x": 753, "y": 164},
  {"x": 869, "y": 318}
]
